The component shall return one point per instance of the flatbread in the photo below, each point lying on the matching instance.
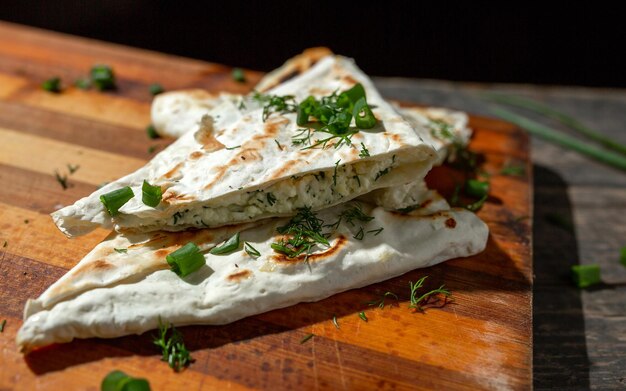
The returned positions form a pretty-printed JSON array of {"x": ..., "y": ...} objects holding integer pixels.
[
  {"x": 111, "y": 294},
  {"x": 223, "y": 172}
]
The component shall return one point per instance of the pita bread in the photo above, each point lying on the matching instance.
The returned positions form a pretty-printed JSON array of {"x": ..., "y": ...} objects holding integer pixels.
[
  {"x": 213, "y": 176},
  {"x": 109, "y": 294}
]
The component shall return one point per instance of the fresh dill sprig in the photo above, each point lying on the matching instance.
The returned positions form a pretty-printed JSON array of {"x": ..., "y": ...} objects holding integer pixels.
[
  {"x": 278, "y": 144},
  {"x": 376, "y": 231},
  {"x": 364, "y": 151},
  {"x": 121, "y": 250},
  {"x": 173, "y": 348},
  {"x": 271, "y": 199},
  {"x": 303, "y": 232},
  {"x": 301, "y": 139},
  {"x": 275, "y": 104},
  {"x": 359, "y": 235},
  {"x": 380, "y": 302},
  {"x": 350, "y": 214},
  {"x": 417, "y": 302}
]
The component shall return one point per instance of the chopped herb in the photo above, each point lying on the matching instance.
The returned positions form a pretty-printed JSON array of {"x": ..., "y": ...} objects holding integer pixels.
[
  {"x": 72, "y": 168},
  {"x": 152, "y": 148},
  {"x": 103, "y": 78},
  {"x": 409, "y": 208},
  {"x": 335, "y": 173},
  {"x": 454, "y": 198},
  {"x": 464, "y": 159},
  {"x": 238, "y": 75},
  {"x": 304, "y": 231},
  {"x": 228, "y": 247},
  {"x": 26, "y": 221},
  {"x": 364, "y": 151},
  {"x": 62, "y": 179},
  {"x": 271, "y": 199},
  {"x": 186, "y": 260},
  {"x": 83, "y": 84},
  {"x": 278, "y": 144},
  {"x": 513, "y": 170},
  {"x": 379, "y": 230},
  {"x": 151, "y": 132},
  {"x": 417, "y": 302},
  {"x": 441, "y": 129},
  {"x": 173, "y": 348},
  {"x": 306, "y": 338},
  {"x": 586, "y": 275},
  {"x": 474, "y": 206},
  {"x": 363, "y": 116},
  {"x": 119, "y": 381},
  {"x": 52, "y": 85},
  {"x": 115, "y": 199},
  {"x": 355, "y": 213},
  {"x": 2, "y": 324},
  {"x": 622, "y": 255},
  {"x": 251, "y": 251},
  {"x": 359, "y": 235},
  {"x": 363, "y": 316},
  {"x": 275, "y": 104},
  {"x": 299, "y": 139},
  {"x": 151, "y": 195},
  {"x": 5, "y": 244},
  {"x": 121, "y": 250},
  {"x": 380, "y": 302},
  {"x": 235, "y": 147},
  {"x": 382, "y": 172},
  {"x": 156, "y": 89},
  {"x": 242, "y": 104},
  {"x": 335, "y": 321},
  {"x": 358, "y": 179},
  {"x": 476, "y": 188}
]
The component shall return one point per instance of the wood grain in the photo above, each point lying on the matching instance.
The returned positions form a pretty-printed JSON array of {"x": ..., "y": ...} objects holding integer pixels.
[{"x": 481, "y": 341}]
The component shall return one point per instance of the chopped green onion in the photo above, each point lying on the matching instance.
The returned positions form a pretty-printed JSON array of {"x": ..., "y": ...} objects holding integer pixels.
[
  {"x": 251, "y": 251},
  {"x": 186, "y": 260},
  {"x": 229, "y": 246},
  {"x": 102, "y": 77},
  {"x": 121, "y": 250},
  {"x": 238, "y": 75},
  {"x": 563, "y": 140},
  {"x": 155, "y": 89},
  {"x": 52, "y": 85},
  {"x": 306, "y": 338},
  {"x": 119, "y": 381},
  {"x": 363, "y": 116},
  {"x": 151, "y": 195},
  {"x": 622, "y": 257},
  {"x": 586, "y": 275},
  {"x": 476, "y": 188},
  {"x": 114, "y": 200},
  {"x": 151, "y": 132},
  {"x": 350, "y": 97},
  {"x": 363, "y": 316},
  {"x": 561, "y": 117}
]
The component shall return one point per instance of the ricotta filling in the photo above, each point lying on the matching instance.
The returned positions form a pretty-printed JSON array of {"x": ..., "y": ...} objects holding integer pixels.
[{"x": 316, "y": 190}]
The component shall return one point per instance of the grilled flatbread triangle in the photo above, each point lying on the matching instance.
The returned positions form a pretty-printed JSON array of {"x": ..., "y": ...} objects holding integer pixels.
[
  {"x": 114, "y": 293},
  {"x": 235, "y": 165}
]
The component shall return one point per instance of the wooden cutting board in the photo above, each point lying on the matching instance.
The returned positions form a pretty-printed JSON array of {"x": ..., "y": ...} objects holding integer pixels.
[{"x": 483, "y": 340}]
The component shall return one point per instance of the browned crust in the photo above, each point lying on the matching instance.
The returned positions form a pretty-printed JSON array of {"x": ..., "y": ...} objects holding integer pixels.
[
  {"x": 294, "y": 67},
  {"x": 451, "y": 223},
  {"x": 240, "y": 275}
]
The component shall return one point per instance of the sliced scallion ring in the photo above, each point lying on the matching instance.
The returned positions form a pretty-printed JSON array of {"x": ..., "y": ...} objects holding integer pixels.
[{"x": 114, "y": 200}]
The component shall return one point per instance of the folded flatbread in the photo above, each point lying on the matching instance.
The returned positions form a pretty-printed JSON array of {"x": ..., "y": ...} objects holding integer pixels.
[
  {"x": 236, "y": 168},
  {"x": 112, "y": 293}
]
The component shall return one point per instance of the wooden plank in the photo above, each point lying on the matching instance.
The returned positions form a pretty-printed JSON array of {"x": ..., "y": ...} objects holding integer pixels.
[{"x": 482, "y": 340}]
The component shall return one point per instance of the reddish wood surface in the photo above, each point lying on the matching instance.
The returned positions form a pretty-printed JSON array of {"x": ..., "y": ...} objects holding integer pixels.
[{"x": 481, "y": 341}]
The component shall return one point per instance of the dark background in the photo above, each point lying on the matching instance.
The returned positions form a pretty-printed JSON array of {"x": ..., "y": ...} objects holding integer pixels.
[{"x": 499, "y": 43}]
